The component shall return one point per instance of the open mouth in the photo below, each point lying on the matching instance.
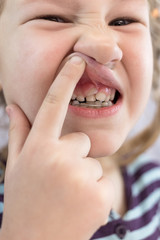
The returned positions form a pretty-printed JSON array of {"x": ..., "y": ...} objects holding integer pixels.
[
  {"x": 97, "y": 87},
  {"x": 101, "y": 99}
]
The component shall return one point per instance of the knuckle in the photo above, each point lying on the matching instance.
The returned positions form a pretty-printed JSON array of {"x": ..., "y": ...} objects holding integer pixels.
[
  {"x": 12, "y": 127},
  {"x": 52, "y": 98},
  {"x": 97, "y": 164},
  {"x": 84, "y": 137},
  {"x": 98, "y": 167},
  {"x": 79, "y": 179}
]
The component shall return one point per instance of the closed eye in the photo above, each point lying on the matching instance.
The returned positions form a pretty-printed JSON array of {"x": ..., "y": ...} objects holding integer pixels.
[
  {"x": 52, "y": 18},
  {"x": 122, "y": 21}
]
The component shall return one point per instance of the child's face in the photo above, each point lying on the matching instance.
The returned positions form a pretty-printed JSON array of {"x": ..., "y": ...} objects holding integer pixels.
[{"x": 32, "y": 49}]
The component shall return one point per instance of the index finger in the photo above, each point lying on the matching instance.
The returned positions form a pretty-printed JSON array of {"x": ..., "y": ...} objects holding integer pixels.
[{"x": 53, "y": 110}]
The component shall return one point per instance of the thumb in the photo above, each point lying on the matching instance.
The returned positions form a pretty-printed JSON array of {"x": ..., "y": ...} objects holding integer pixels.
[{"x": 18, "y": 130}]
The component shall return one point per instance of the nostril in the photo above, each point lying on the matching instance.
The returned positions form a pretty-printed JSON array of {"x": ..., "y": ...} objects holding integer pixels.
[{"x": 111, "y": 65}]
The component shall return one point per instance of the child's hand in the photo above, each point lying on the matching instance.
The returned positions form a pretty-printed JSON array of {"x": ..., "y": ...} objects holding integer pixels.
[{"x": 53, "y": 191}]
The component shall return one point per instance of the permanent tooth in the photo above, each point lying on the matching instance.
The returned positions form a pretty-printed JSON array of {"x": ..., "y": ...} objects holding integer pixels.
[
  {"x": 100, "y": 96},
  {"x": 74, "y": 96},
  {"x": 91, "y": 98},
  {"x": 91, "y": 92},
  {"x": 81, "y": 98}
]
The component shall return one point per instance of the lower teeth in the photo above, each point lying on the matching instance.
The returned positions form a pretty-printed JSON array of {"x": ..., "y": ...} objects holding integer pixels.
[{"x": 96, "y": 104}]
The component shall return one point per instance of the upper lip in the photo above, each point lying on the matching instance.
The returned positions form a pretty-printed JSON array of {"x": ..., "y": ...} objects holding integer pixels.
[{"x": 99, "y": 73}]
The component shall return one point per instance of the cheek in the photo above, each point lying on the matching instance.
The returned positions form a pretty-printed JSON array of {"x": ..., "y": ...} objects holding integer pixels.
[
  {"x": 31, "y": 82},
  {"x": 30, "y": 71},
  {"x": 139, "y": 69}
]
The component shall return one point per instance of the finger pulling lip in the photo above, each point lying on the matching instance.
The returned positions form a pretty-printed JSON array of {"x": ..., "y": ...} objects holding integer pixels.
[{"x": 99, "y": 73}]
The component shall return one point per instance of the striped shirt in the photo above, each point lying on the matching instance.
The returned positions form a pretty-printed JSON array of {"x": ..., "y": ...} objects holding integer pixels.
[{"x": 142, "y": 219}]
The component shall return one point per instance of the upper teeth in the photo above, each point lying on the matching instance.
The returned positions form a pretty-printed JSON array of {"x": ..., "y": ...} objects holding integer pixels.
[
  {"x": 91, "y": 91},
  {"x": 100, "y": 96},
  {"x": 91, "y": 98},
  {"x": 80, "y": 98}
]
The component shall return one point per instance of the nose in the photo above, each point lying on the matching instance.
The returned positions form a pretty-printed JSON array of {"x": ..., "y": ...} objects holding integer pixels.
[{"x": 99, "y": 45}]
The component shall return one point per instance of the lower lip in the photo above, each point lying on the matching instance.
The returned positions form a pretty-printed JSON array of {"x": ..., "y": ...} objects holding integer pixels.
[{"x": 96, "y": 113}]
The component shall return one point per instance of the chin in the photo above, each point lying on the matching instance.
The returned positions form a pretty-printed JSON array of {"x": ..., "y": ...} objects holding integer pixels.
[{"x": 105, "y": 148}]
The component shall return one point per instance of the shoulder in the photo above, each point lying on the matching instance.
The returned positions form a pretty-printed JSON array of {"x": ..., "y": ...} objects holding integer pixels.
[
  {"x": 144, "y": 196},
  {"x": 144, "y": 170},
  {"x": 145, "y": 175},
  {"x": 144, "y": 164}
]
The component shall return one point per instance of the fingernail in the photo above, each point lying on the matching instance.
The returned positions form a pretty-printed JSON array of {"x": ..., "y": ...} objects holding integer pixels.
[{"x": 76, "y": 60}]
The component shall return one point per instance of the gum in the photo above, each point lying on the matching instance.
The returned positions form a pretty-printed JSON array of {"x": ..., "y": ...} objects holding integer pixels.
[{"x": 88, "y": 89}]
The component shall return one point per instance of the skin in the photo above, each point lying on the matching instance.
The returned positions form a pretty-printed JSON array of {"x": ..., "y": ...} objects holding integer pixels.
[
  {"x": 37, "y": 48},
  {"x": 34, "y": 59}
]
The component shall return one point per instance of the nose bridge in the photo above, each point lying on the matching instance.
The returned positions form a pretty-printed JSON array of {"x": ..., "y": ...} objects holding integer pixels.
[{"x": 100, "y": 43}]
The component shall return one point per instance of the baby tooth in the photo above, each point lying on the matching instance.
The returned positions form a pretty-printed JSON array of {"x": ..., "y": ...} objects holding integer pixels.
[
  {"x": 113, "y": 92},
  {"x": 74, "y": 96},
  {"x": 98, "y": 103},
  {"x": 107, "y": 98},
  {"x": 80, "y": 98},
  {"x": 75, "y": 103},
  {"x": 110, "y": 104},
  {"x": 91, "y": 98},
  {"x": 100, "y": 96},
  {"x": 105, "y": 104},
  {"x": 83, "y": 104}
]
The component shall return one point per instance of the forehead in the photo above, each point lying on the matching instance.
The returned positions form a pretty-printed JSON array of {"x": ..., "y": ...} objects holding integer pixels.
[
  {"x": 79, "y": 2},
  {"x": 80, "y": 5}
]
